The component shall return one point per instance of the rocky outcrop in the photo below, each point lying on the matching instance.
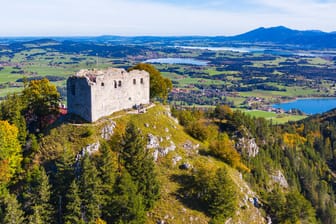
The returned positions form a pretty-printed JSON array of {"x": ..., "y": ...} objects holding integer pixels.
[
  {"x": 189, "y": 146},
  {"x": 153, "y": 142},
  {"x": 279, "y": 178},
  {"x": 176, "y": 159},
  {"x": 108, "y": 130},
  {"x": 89, "y": 149},
  {"x": 163, "y": 151},
  {"x": 248, "y": 146}
]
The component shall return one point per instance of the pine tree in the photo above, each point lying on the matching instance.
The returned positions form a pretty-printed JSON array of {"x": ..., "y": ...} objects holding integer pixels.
[
  {"x": 73, "y": 207},
  {"x": 222, "y": 196},
  {"x": 140, "y": 165},
  {"x": 127, "y": 203},
  {"x": 107, "y": 171},
  {"x": 63, "y": 178},
  {"x": 36, "y": 217},
  {"x": 90, "y": 190},
  {"x": 298, "y": 209},
  {"x": 38, "y": 197},
  {"x": 13, "y": 213}
]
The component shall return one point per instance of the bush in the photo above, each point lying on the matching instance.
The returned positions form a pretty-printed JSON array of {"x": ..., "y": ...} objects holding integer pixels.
[{"x": 197, "y": 130}]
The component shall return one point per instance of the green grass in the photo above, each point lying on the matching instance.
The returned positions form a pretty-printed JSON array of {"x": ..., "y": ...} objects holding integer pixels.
[
  {"x": 269, "y": 63},
  {"x": 290, "y": 92},
  {"x": 192, "y": 81},
  {"x": 6, "y": 91},
  {"x": 276, "y": 118},
  {"x": 260, "y": 113},
  {"x": 7, "y": 76}
]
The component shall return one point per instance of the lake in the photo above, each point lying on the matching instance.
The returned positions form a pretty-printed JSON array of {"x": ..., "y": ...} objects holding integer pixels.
[
  {"x": 184, "y": 61},
  {"x": 233, "y": 49},
  {"x": 269, "y": 50},
  {"x": 309, "y": 105}
]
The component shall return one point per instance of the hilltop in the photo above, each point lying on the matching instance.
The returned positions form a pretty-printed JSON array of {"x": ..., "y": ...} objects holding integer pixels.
[{"x": 176, "y": 155}]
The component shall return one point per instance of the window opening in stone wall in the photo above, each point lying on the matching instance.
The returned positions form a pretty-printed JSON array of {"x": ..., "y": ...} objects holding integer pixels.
[
  {"x": 115, "y": 84},
  {"x": 119, "y": 83},
  {"x": 102, "y": 84},
  {"x": 73, "y": 90},
  {"x": 134, "y": 81},
  {"x": 141, "y": 80}
]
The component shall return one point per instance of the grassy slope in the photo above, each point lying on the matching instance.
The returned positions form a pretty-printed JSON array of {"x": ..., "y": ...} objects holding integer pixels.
[{"x": 172, "y": 206}]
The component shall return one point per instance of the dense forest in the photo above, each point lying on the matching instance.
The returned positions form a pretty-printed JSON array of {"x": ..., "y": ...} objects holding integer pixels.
[{"x": 302, "y": 152}]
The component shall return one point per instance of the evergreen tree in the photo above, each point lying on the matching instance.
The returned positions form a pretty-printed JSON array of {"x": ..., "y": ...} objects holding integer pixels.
[
  {"x": 276, "y": 204},
  {"x": 127, "y": 203},
  {"x": 38, "y": 197},
  {"x": 140, "y": 165},
  {"x": 90, "y": 190},
  {"x": 12, "y": 213},
  {"x": 298, "y": 209},
  {"x": 107, "y": 169},
  {"x": 36, "y": 218},
  {"x": 73, "y": 212},
  {"x": 221, "y": 196},
  {"x": 63, "y": 178}
]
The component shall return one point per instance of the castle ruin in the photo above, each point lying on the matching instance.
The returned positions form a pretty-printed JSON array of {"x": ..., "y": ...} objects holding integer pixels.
[{"x": 93, "y": 94}]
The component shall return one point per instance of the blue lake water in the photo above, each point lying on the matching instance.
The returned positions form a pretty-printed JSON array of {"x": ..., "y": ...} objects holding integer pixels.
[
  {"x": 309, "y": 105},
  {"x": 234, "y": 49},
  {"x": 272, "y": 51},
  {"x": 185, "y": 61}
]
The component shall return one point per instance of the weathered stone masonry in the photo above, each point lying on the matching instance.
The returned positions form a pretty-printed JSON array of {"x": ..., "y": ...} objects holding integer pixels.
[{"x": 93, "y": 94}]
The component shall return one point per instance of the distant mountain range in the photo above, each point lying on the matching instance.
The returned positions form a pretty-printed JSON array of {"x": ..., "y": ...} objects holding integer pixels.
[
  {"x": 284, "y": 35},
  {"x": 280, "y": 35}
]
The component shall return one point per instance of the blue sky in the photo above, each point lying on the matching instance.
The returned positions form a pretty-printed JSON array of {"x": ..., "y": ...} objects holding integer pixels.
[{"x": 161, "y": 17}]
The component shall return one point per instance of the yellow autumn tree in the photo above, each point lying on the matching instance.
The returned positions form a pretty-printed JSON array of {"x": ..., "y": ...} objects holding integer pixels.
[
  {"x": 224, "y": 149},
  {"x": 100, "y": 221},
  {"x": 293, "y": 140},
  {"x": 10, "y": 151}
]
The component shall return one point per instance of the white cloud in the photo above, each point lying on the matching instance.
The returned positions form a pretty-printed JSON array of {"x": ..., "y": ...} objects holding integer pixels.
[{"x": 140, "y": 17}]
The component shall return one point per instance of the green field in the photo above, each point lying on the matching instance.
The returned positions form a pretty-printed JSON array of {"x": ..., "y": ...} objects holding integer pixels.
[
  {"x": 225, "y": 79},
  {"x": 276, "y": 118}
]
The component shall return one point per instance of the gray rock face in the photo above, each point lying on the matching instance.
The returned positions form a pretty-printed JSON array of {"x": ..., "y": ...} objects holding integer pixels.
[
  {"x": 279, "y": 178},
  {"x": 162, "y": 152},
  {"x": 247, "y": 145},
  {"x": 189, "y": 146},
  {"x": 153, "y": 142},
  {"x": 176, "y": 159},
  {"x": 89, "y": 149},
  {"x": 108, "y": 130}
]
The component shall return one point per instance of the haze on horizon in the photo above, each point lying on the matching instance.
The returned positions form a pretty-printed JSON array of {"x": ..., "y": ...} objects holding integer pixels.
[{"x": 161, "y": 17}]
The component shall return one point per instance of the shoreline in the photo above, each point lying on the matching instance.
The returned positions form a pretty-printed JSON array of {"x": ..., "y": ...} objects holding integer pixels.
[
  {"x": 305, "y": 98},
  {"x": 302, "y": 107}
]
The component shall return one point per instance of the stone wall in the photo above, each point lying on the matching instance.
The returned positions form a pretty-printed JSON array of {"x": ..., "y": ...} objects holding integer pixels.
[{"x": 93, "y": 94}]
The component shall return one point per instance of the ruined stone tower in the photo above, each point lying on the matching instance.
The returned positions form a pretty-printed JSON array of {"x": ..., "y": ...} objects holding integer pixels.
[{"x": 93, "y": 94}]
